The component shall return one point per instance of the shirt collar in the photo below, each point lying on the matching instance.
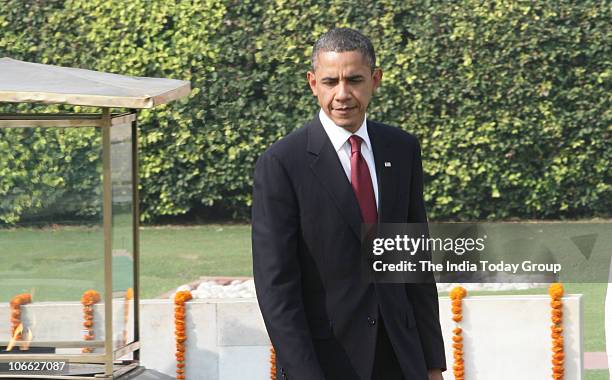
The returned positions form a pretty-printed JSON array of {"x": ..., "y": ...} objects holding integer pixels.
[{"x": 339, "y": 135}]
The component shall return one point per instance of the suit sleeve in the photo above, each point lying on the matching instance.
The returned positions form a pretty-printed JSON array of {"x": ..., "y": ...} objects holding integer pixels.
[
  {"x": 276, "y": 269},
  {"x": 424, "y": 296}
]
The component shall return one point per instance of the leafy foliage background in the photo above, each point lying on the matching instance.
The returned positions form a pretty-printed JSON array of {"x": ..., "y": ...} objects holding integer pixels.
[{"x": 511, "y": 100}]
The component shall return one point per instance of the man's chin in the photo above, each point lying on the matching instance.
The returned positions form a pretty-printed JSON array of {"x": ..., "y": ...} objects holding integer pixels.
[{"x": 350, "y": 124}]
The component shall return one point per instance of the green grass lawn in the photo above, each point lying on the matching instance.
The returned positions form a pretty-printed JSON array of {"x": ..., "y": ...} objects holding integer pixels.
[
  {"x": 597, "y": 375},
  {"x": 59, "y": 264},
  {"x": 171, "y": 256}
]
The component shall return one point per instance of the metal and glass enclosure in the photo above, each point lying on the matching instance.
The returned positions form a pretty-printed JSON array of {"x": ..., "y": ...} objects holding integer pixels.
[
  {"x": 76, "y": 219},
  {"x": 97, "y": 250}
]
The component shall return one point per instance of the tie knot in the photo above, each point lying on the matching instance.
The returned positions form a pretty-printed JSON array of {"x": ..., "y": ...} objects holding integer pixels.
[{"x": 355, "y": 143}]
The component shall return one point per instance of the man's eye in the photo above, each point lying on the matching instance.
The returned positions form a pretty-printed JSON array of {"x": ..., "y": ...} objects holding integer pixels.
[
  {"x": 356, "y": 80},
  {"x": 329, "y": 82}
]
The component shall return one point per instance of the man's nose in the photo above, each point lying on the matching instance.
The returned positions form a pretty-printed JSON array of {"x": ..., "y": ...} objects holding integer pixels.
[{"x": 344, "y": 91}]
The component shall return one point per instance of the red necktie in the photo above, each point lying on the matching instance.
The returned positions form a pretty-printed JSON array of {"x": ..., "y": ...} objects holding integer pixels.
[{"x": 362, "y": 182}]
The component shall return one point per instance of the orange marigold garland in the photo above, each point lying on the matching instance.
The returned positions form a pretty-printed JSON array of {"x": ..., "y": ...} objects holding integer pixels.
[
  {"x": 16, "y": 303},
  {"x": 179, "y": 321},
  {"x": 558, "y": 355},
  {"x": 129, "y": 295},
  {"x": 272, "y": 363},
  {"x": 89, "y": 299},
  {"x": 456, "y": 295}
]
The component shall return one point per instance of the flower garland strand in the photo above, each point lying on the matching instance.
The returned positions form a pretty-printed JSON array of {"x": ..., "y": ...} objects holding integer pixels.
[
  {"x": 90, "y": 297},
  {"x": 129, "y": 295},
  {"x": 456, "y": 295},
  {"x": 558, "y": 356},
  {"x": 16, "y": 303},
  {"x": 272, "y": 363},
  {"x": 179, "y": 321}
]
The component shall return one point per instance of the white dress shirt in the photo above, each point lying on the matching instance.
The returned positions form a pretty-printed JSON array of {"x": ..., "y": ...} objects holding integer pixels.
[{"x": 339, "y": 139}]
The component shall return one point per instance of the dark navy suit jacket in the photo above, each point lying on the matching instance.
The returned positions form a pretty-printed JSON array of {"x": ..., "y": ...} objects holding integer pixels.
[{"x": 306, "y": 225}]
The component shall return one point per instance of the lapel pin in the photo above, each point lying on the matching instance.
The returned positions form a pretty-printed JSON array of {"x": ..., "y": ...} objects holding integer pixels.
[{"x": 387, "y": 164}]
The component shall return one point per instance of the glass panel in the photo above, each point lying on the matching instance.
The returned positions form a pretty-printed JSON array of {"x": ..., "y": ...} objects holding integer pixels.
[
  {"x": 51, "y": 233},
  {"x": 123, "y": 253}
]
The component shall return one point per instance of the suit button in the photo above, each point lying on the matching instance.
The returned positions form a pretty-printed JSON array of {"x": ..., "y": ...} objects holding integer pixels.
[{"x": 371, "y": 321}]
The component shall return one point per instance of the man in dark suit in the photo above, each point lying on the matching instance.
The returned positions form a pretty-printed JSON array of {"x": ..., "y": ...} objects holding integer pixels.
[{"x": 313, "y": 190}]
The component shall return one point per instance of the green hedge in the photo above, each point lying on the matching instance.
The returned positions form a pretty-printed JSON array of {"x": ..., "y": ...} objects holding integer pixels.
[{"x": 510, "y": 101}]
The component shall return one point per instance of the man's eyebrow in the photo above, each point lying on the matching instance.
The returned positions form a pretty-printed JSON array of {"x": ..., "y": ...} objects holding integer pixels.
[{"x": 351, "y": 77}]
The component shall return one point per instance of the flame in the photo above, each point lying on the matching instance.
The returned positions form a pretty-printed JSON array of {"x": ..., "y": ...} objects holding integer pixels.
[
  {"x": 16, "y": 303},
  {"x": 24, "y": 344},
  {"x": 13, "y": 340}
]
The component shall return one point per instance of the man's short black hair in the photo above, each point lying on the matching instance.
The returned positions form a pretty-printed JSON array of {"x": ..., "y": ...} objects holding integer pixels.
[{"x": 344, "y": 39}]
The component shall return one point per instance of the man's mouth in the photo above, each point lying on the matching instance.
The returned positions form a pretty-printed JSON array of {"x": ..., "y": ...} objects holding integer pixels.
[{"x": 343, "y": 108}]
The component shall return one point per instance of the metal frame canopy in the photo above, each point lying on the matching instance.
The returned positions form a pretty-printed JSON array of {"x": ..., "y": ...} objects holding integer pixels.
[{"x": 25, "y": 82}]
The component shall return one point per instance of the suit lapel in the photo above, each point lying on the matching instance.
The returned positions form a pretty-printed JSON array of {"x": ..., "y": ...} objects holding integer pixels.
[
  {"x": 328, "y": 170},
  {"x": 385, "y": 171}
]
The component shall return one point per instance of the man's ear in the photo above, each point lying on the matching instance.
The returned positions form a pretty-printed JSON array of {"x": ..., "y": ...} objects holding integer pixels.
[
  {"x": 376, "y": 78},
  {"x": 312, "y": 81}
]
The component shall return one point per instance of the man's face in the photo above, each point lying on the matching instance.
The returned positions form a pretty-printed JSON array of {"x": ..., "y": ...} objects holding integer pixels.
[{"x": 344, "y": 83}]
